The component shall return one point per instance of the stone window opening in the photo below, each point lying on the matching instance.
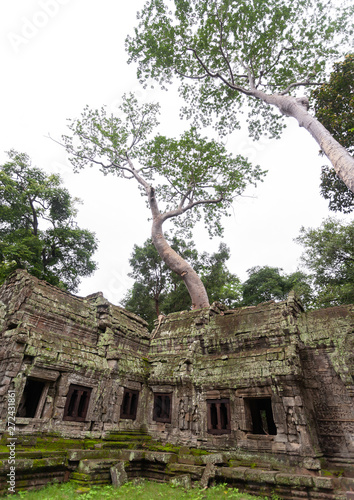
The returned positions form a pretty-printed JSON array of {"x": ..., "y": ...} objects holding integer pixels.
[
  {"x": 261, "y": 414},
  {"x": 162, "y": 407},
  {"x": 218, "y": 416},
  {"x": 77, "y": 402},
  {"x": 33, "y": 398},
  {"x": 130, "y": 404}
]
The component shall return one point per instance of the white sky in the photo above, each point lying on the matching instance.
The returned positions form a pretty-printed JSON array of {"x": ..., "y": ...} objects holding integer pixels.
[{"x": 59, "y": 55}]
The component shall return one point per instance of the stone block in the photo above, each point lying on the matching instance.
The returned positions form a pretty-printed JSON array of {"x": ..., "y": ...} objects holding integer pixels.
[
  {"x": 236, "y": 473},
  {"x": 267, "y": 476},
  {"x": 209, "y": 473},
  {"x": 289, "y": 401},
  {"x": 323, "y": 482},
  {"x": 311, "y": 463},
  {"x": 158, "y": 456},
  {"x": 118, "y": 475},
  {"x": 184, "y": 481},
  {"x": 186, "y": 459},
  {"x": 215, "y": 458},
  {"x": 298, "y": 401},
  {"x": 194, "y": 470},
  {"x": 294, "y": 480}
]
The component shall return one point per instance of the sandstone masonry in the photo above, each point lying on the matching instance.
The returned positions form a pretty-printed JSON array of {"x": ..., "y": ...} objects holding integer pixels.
[{"x": 269, "y": 385}]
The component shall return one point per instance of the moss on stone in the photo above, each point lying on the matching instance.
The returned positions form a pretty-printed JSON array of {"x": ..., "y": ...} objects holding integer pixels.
[{"x": 197, "y": 452}]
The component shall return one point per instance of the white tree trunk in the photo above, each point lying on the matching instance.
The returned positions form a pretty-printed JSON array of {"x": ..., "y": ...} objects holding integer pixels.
[
  {"x": 342, "y": 161},
  {"x": 178, "y": 265},
  {"x": 194, "y": 284}
]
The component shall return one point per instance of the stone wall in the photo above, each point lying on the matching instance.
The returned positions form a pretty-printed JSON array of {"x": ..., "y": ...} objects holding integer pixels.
[
  {"x": 52, "y": 340},
  {"x": 269, "y": 382}
]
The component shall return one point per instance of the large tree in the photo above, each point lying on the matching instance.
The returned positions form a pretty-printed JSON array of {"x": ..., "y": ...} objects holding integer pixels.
[
  {"x": 329, "y": 255},
  {"x": 38, "y": 231},
  {"x": 158, "y": 290},
  {"x": 232, "y": 55},
  {"x": 183, "y": 179},
  {"x": 333, "y": 103}
]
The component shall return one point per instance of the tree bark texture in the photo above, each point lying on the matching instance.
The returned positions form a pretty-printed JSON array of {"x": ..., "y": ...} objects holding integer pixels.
[
  {"x": 194, "y": 284},
  {"x": 342, "y": 161},
  {"x": 178, "y": 265}
]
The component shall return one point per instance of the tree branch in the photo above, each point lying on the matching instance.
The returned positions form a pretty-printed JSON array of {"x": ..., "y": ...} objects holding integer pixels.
[
  {"x": 299, "y": 84},
  {"x": 218, "y": 75},
  {"x": 250, "y": 73},
  {"x": 276, "y": 60},
  {"x": 34, "y": 214},
  {"x": 180, "y": 211},
  {"x": 184, "y": 198}
]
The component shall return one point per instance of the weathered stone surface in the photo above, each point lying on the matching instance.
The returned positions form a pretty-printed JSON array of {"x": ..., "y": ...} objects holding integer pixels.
[
  {"x": 184, "y": 480},
  {"x": 209, "y": 473},
  {"x": 118, "y": 475},
  {"x": 270, "y": 384}
]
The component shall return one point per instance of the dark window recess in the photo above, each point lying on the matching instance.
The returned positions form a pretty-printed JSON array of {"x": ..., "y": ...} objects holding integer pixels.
[
  {"x": 77, "y": 402},
  {"x": 31, "y": 396},
  {"x": 129, "y": 404},
  {"x": 162, "y": 407},
  {"x": 262, "y": 416},
  {"x": 218, "y": 416}
]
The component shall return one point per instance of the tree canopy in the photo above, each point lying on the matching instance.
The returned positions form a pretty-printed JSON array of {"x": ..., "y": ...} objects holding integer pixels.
[
  {"x": 270, "y": 283},
  {"x": 329, "y": 256},
  {"x": 158, "y": 290},
  {"x": 334, "y": 107},
  {"x": 38, "y": 231},
  {"x": 233, "y": 55},
  {"x": 184, "y": 180},
  {"x": 222, "y": 285}
]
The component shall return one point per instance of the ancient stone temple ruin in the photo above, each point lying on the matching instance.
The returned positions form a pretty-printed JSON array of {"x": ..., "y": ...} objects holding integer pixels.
[{"x": 259, "y": 397}]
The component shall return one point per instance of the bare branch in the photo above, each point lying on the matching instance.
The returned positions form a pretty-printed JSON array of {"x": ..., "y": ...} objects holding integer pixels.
[
  {"x": 298, "y": 84},
  {"x": 137, "y": 137},
  {"x": 265, "y": 72},
  {"x": 184, "y": 198},
  {"x": 250, "y": 73},
  {"x": 218, "y": 75},
  {"x": 180, "y": 211},
  {"x": 138, "y": 177}
]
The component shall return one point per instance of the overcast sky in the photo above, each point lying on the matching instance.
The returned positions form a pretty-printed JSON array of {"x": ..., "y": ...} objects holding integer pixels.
[{"x": 59, "y": 55}]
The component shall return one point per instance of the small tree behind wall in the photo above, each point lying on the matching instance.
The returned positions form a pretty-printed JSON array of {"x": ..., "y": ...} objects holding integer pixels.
[
  {"x": 184, "y": 180},
  {"x": 156, "y": 289}
]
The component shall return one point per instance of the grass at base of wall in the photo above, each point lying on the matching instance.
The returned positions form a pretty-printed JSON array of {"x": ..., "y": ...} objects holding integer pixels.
[{"x": 145, "y": 490}]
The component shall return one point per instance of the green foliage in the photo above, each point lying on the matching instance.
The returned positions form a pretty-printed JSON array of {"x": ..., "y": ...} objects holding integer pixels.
[
  {"x": 139, "y": 301},
  {"x": 334, "y": 103},
  {"x": 192, "y": 177},
  {"x": 157, "y": 290},
  {"x": 221, "y": 285},
  {"x": 184, "y": 180},
  {"x": 223, "y": 51},
  {"x": 332, "y": 188},
  {"x": 334, "y": 108},
  {"x": 268, "y": 283},
  {"x": 144, "y": 490},
  {"x": 329, "y": 255},
  {"x": 37, "y": 226}
]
